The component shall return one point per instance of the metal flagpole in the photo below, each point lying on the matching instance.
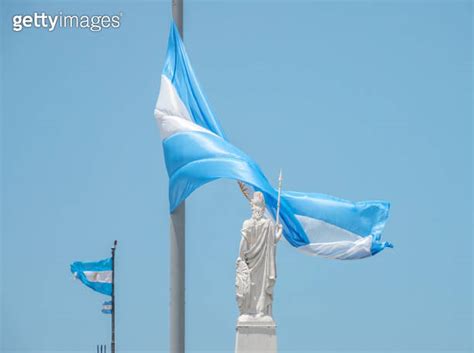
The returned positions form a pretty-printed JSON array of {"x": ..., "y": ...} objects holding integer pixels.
[
  {"x": 177, "y": 245},
  {"x": 112, "y": 345}
]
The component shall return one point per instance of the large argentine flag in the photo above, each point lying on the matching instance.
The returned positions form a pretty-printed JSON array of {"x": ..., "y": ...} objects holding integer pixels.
[
  {"x": 197, "y": 152},
  {"x": 95, "y": 275}
]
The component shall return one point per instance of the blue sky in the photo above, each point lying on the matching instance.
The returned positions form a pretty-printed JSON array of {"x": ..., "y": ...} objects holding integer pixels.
[{"x": 357, "y": 99}]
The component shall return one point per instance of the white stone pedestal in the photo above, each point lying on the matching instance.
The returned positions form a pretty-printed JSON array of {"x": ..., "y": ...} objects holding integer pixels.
[{"x": 255, "y": 335}]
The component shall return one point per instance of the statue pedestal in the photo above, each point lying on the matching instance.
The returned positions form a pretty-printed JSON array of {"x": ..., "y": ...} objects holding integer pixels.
[{"x": 255, "y": 335}]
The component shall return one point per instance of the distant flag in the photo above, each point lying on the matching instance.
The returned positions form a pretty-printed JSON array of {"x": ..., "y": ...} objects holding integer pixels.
[
  {"x": 197, "y": 152},
  {"x": 107, "y": 307},
  {"x": 95, "y": 275}
]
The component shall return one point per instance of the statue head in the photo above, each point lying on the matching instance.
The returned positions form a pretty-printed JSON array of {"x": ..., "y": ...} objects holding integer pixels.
[{"x": 258, "y": 205}]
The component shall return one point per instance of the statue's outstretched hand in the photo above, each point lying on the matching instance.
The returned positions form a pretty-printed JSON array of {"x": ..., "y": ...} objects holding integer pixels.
[{"x": 279, "y": 232}]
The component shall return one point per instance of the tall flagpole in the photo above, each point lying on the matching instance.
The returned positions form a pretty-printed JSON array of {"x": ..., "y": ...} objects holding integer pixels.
[
  {"x": 112, "y": 345},
  {"x": 177, "y": 245}
]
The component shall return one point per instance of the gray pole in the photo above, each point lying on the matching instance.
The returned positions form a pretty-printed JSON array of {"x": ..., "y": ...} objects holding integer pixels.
[
  {"x": 177, "y": 276},
  {"x": 112, "y": 345},
  {"x": 177, "y": 245},
  {"x": 177, "y": 8}
]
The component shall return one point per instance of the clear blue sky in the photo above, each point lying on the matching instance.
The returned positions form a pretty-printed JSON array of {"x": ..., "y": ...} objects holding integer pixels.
[{"x": 357, "y": 99}]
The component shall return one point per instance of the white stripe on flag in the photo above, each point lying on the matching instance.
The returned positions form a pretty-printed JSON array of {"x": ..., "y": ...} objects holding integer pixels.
[
  {"x": 341, "y": 250},
  {"x": 171, "y": 113},
  {"x": 321, "y": 232},
  {"x": 333, "y": 242},
  {"x": 99, "y": 276},
  {"x": 168, "y": 102}
]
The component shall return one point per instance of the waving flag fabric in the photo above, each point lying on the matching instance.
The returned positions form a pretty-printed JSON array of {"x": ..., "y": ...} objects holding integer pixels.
[
  {"x": 107, "y": 307},
  {"x": 197, "y": 152},
  {"x": 95, "y": 275}
]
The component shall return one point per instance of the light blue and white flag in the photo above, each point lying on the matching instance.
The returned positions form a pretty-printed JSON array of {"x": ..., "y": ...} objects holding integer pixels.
[
  {"x": 95, "y": 275},
  {"x": 197, "y": 152},
  {"x": 107, "y": 307}
]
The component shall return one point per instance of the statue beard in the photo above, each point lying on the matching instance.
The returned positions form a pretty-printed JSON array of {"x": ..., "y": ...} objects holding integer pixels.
[{"x": 258, "y": 213}]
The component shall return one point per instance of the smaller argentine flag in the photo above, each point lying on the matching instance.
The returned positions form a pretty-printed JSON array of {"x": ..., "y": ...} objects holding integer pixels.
[
  {"x": 107, "y": 307},
  {"x": 95, "y": 275}
]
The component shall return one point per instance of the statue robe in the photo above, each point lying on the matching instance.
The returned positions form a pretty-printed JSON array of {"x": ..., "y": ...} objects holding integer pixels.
[{"x": 256, "y": 269}]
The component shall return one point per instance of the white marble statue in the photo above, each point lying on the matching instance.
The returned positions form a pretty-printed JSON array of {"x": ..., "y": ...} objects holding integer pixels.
[{"x": 256, "y": 269}]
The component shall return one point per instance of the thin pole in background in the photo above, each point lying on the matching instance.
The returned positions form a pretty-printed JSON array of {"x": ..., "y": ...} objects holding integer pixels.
[
  {"x": 112, "y": 345},
  {"x": 177, "y": 245}
]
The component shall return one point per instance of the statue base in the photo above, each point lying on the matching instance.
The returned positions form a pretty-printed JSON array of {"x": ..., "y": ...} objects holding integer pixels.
[{"x": 255, "y": 334}]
